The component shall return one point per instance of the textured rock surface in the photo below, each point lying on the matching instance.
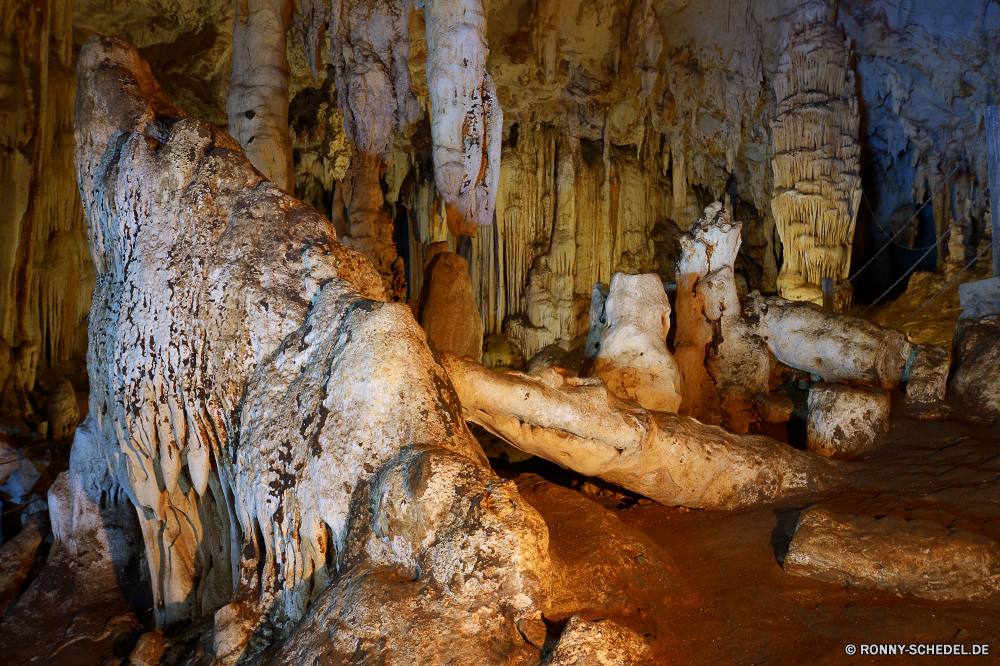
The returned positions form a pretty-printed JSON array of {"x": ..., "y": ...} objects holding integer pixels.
[
  {"x": 831, "y": 346},
  {"x": 449, "y": 313},
  {"x": 633, "y": 359},
  {"x": 257, "y": 103},
  {"x": 63, "y": 411},
  {"x": 722, "y": 359},
  {"x": 975, "y": 381},
  {"x": 602, "y": 642},
  {"x": 928, "y": 383},
  {"x": 466, "y": 118},
  {"x": 845, "y": 421},
  {"x": 598, "y": 563},
  {"x": 578, "y": 424},
  {"x": 915, "y": 557},
  {"x": 76, "y": 608},
  {"x": 817, "y": 183},
  {"x": 444, "y": 559},
  {"x": 276, "y": 425}
]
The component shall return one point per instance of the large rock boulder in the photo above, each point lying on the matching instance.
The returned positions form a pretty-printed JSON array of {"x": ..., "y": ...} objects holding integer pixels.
[
  {"x": 975, "y": 382},
  {"x": 846, "y": 421}
]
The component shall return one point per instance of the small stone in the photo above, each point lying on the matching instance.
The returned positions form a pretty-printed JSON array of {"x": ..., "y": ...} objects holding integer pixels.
[
  {"x": 775, "y": 407},
  {"x": 602, "y": 642},
  {"x": 846, "y": 421},
  {"x": 533, "y": 630},
  {"x": 148, "y": 650},
  {"x": 925, "y": 391}
]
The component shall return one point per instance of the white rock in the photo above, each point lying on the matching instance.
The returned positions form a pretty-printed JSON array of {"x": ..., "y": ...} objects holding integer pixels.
[
  {"x": 845, "y": 421},
  {"x": 633, "y": 359}
]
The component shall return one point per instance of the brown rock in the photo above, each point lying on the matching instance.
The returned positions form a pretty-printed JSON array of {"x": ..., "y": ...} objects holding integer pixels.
[
  {"x": 774, "y": 407},
  {"x": 975, "y": 384},
  {"x": 449, "y": 315},
  {"x": 598, "y": 562},
  {"x": 915, "y": 557},
  {"x": 16, "y": 558},
  {"x": 925, "y": 391},
  {"x": 601, "y": 643}
]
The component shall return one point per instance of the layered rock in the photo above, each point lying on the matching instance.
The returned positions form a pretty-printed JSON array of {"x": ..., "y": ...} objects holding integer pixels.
[{"x": 817, "y": 183}]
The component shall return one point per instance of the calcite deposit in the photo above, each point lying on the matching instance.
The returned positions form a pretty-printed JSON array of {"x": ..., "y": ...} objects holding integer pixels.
[
  {"x": 632, "y": 357},
  {"x": 490, "y": 332}
]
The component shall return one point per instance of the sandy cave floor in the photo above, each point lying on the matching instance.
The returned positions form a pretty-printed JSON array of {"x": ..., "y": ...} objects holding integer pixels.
[{"x": 731, "y": 602}]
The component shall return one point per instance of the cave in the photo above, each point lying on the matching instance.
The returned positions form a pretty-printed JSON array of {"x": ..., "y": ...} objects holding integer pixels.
[{"x": 499, "y": 332}]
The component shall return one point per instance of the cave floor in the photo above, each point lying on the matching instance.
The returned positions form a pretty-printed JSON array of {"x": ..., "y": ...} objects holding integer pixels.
[{"x": 738, "y": 605}]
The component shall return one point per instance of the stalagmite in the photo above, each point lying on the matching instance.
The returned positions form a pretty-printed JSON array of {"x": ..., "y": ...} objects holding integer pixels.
[
  {"x": 831, "y": 346},
  {"x": 466, "y": 119},
  {"x": 257, "y": 103},
  {"x": 275, "y": 423},
  {"x": 816, "y": 164},
  {"x": 675, "y": 460},
  {"x": 723, "y": 363},
  {"x": 448, "y": 313},
  {"x": 845, "y": 421},
  {"x": 632, "y": 358}
]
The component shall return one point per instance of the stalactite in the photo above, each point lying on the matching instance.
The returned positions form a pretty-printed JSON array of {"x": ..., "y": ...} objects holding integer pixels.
[
  {"x": 817, "y": 186},
  {"x": 466, "y": 119},
  {"x": 257, "y": 103},
  {"x": 44, "y": 267},
  {"x": 369, "y": 46}
]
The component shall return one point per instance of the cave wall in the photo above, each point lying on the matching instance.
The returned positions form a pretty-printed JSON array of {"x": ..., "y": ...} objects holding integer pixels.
[{"x": 622, "y": 120}]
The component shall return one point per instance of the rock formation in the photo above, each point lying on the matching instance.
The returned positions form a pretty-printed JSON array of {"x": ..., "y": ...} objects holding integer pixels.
[
  {"x": 975, "y": 378},
  {"x": 831, "y": 346},
  {"x": 369, "y": 49},
  {"x": 675, "y": 460},
  {"x": 448, "y": 312},
  {"x": 257, "y": 103},
  {"x": 466, "y": 119},
  {"x": 254, "y": 419},
  {"x": 723, "y": 361},
  {"x": 846, "y": 422},
  {"x": 817, "y": 186},
  {"x": 915, "y": 557},
  {"x": 633, "y": 360}
]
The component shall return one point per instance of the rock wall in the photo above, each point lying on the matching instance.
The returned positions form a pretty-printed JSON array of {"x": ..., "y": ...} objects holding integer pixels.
[{"x": 645, "y": 111}]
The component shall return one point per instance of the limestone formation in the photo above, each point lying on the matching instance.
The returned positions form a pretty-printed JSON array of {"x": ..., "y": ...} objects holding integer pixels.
[
  {"x": 466, "y": 119},
  {"x": 602, "y": 642},
  {"x": 927, "y": 383},
  {"x": 723, "y": 361},
  {"x": 975, "y": 380},
  {"x": 272, "y": 421},
  {"x": 369, "y": 49},
  {"x": 845, "y": 421},
  {"x": 63, "y": 411},
  {"x": 257, "y": 103},
  {"x": 916, "y": 557},
  {"x": 831, "y": 346},
  {"x": 816, "y": 163},
  {"x": 449, "y": 314},
  {"x": 633, "y": 359},
  {"x": 598, "y": 320},
  {"x": 675, "y": 460}
]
